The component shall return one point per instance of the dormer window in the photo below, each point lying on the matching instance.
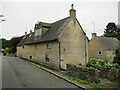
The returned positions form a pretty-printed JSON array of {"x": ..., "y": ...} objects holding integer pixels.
[{"x": 38, "y": 33}]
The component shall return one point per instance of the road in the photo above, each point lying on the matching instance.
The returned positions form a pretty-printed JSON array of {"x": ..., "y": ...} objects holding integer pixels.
[{"x": 17, "y": 73}]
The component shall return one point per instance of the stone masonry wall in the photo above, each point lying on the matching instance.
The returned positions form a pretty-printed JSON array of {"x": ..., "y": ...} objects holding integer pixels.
[{"x": 91, "y": 74}]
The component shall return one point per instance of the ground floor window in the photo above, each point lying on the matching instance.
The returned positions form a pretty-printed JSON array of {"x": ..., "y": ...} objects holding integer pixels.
[
  {"x": 47, "y": 58},
  {"x": 113, "y": 53},
  {"x": 30, "y": 57},
  {"x": 23, "y": 47}
]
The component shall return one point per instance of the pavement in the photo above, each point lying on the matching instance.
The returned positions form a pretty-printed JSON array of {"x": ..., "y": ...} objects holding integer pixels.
[{"x": 17, "y": 73}]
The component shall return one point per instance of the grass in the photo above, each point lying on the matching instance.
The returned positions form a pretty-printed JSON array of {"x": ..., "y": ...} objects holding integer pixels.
[{"x": 85, "y": 82}]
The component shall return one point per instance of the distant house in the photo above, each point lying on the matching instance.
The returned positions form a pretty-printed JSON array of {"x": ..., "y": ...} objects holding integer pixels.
[
  {"x": 56, "y": 44},
  {"x": 103, "y": 47}
]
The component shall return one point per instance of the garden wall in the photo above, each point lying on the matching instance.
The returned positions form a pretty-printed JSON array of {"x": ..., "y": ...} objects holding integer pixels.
[
  {"x": 84, "y": 73},
  {"x": 92, "y": 74},
  {"x": 110, "y": 73}
]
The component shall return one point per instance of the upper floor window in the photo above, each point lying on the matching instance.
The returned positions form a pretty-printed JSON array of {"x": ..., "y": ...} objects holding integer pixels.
[
  {"x": 49, "y": 45},
  {"x": 38, "y": 33},
  {"x": 113, "y": 53},
  {"x": 100, "y": 53}
]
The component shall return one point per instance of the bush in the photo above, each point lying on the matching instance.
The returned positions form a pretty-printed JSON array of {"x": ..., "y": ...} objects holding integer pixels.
[
  {"x": 101, "y": 64},
  {"x": 8, "y": 50}
]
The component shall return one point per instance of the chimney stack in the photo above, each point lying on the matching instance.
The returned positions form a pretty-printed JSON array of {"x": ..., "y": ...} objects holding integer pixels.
[
  {"x": 72, "y": 12},
  {"x": 30, "y": 31},
  {"x": 25, "y": 33},
  {"x": 94, "y": 35}
]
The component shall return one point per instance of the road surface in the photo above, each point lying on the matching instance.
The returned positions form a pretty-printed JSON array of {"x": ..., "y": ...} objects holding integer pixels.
[{"x": 17, "y": 73}]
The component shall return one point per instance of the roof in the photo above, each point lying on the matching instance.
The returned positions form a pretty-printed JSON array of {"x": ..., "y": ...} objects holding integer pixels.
[
  {"x": 107, "y": 42},
  {"x": 52, "y": 34}
]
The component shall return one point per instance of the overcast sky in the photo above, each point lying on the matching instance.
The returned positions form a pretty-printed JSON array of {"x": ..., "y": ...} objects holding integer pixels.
[{"x": 22, "y": 16}]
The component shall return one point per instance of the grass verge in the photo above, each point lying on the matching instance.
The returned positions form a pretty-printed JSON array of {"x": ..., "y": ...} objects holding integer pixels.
[{"x": 85, "y": 82}]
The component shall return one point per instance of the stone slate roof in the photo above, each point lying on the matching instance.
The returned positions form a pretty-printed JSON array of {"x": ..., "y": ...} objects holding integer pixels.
[
  {"x": 51, "y": 35},
  {"x": 108, "y": 43}
]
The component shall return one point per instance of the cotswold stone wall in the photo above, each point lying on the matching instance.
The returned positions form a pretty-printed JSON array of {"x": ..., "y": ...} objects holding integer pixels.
[
  {"x": 91, "y": 74},
  {"x": 110, "y": 73},
  {"x": 84, "y": 73}
]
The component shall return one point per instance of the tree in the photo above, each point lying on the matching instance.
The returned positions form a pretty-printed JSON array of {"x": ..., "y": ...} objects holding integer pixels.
[
  {"x": 112, "y": 30},
  {"x": 118, "y": 27},
  {"x": 13, "y": 43},
  {"x": 5, "y": 43}
]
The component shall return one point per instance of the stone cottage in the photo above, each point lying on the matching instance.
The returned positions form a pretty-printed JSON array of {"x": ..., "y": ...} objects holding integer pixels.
[
  {"x": 103, "y": 47},
  {"x": 56, "y": 44}
]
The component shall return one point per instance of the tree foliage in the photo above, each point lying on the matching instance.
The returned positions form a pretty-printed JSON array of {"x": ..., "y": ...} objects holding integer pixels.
[
  {"x": 13, "y": 43},
  {"x": 112, "y": 30},
  {"x": 5, "y": 43}
]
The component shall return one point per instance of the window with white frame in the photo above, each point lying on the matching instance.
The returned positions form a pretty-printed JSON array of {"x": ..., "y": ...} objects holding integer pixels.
[
  {"x": 49, "y": 45},
  {"x": 100, "y": 53}
]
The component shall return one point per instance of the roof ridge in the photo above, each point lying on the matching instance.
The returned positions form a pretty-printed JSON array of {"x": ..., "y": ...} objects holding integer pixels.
[{"x": 60, "y": 20}]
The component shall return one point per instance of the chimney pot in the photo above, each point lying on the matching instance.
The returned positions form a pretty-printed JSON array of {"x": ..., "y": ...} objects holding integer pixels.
[
  {"x": 94, "y": 35},
  {"x": 25, "y": 33},
  {"x": 30, "y": 31}
]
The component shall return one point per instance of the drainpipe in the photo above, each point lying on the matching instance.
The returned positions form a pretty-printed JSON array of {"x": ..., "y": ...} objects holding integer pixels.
[
  {"x": 85, "y": 52},
  {"x": 59, "y": 56}
]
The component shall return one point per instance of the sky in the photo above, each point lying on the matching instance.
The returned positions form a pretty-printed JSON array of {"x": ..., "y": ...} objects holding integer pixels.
[{"x": 21, "y": 16}]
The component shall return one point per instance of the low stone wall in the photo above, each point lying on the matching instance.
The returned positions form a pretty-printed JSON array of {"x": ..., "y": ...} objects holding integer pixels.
[
  {"x": 110, "y": 73},
  {"x": 84, "y": 73},
  {"x": 92, "y": 74}
]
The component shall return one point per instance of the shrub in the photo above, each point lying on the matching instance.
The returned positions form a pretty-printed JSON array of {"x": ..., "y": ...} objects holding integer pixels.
[
  {"x": 8, "y": 50},
  {"x": 101, "y": 64}
]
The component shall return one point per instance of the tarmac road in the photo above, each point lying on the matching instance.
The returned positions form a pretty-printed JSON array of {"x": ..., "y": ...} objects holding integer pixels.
[{"x": 17, "y": 73}]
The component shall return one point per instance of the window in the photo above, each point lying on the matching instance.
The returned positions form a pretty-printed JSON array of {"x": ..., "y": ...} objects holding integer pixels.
[
  {"x": 23, "y": 47},
  {"x": 100, "y": 53},
  {"x": 30, "y": 57},
  {"x": 38, "y": 33},
  {"x": 46, "y": 58},
  {"x": 113, "y": 53},
  {"x": 49, "y": 45}
]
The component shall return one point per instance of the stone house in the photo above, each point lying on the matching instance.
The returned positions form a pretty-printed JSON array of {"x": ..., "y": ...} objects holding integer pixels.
[
  {"x": 103, "y": 47},
  {"x": 56, "y": 44}
]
